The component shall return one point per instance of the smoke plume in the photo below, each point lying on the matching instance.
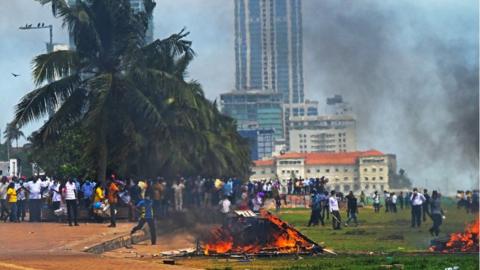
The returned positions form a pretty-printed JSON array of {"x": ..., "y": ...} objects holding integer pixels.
[{"x": 411, "y": 78}]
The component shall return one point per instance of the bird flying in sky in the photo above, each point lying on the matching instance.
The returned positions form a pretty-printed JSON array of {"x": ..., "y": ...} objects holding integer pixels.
[{"x": 15, "y": 75}]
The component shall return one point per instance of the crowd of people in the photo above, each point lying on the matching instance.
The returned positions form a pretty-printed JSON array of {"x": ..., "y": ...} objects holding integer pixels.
[{"x": 151, "y": 199}]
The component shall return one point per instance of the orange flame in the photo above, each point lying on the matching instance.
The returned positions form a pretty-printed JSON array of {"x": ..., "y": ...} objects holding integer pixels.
[
  {"x": 464, "y": 241},
  {"x": 283, "y": 239}
]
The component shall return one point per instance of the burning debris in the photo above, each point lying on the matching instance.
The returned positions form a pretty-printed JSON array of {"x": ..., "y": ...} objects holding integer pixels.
[
  {"x": 257, "y": 234},
  {"x": 459, "y": 242}
]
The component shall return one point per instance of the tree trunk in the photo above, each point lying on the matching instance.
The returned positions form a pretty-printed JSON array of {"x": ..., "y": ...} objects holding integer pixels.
[{"x": 102, "y": 164}]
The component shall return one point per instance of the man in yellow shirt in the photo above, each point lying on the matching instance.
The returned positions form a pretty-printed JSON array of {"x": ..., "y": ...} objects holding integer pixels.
[{"x": 12, "y": 202}]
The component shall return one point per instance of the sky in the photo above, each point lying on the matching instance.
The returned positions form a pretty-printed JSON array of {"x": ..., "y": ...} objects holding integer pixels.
[{"x": 409, "y": 68}]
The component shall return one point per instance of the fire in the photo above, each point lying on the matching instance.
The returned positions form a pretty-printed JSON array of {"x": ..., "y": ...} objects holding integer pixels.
[
  {"x": 462, "y": 241},
  {"x": 466, "y": 241},
  {"x": 264, "y": 233}
]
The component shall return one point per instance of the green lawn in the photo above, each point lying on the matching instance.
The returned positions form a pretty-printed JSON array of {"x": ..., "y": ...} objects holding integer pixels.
[
  {"x": 380, "y": 239},
  {"x": 377, "y": 232}
]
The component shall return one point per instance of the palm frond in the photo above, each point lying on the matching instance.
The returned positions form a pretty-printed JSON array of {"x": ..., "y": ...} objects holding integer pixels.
[
  {"x": 68, "y": 114},
  {"x": 48, "y": 67},
  {"x": 37, "y": 103}
]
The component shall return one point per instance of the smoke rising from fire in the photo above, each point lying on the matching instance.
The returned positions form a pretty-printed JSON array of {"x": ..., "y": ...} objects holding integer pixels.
[{"x": 410, "y": 70}]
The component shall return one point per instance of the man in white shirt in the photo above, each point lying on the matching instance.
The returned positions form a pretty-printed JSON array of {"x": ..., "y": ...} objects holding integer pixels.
[
  {"x": 178, "y": 188},
  {"x": 393, "y": 199},
  {"x": 416, "y": 200},
  {"x": 71, "y": 199},
  {"x": 334, "y": 210},
  {"x": 225, "y": 205},
  {"x": 34, "y": 188},
  {"x": 3, "y": 198}
]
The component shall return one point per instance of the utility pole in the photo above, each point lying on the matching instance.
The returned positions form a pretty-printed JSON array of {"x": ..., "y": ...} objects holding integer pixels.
[{"x": 41, "y": 26}]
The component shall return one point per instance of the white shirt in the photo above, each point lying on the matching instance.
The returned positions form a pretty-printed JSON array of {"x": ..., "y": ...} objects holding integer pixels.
[
  {"x": 333, "y": 204},
  {"x": 70, "y": 189},
  {"x": 20, "y": 191},
  {"x": 394, "y": 199},
  {"x": 35, "y": 188},
  {"x": 376, "y": 198},
  {"x": 3, "y": 191},
  {"x": 225, "y": 206},
  {"x": 178, "y": 188},
  {"x": 418, "y": 200},
  {"x": 56, "y": 195}
]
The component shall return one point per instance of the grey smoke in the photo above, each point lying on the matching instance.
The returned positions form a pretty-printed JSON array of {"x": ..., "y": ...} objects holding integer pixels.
[{"x": 413, "y": 85}]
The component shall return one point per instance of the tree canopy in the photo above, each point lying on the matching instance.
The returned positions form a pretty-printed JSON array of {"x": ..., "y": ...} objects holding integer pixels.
[{"x": 131, "y": 100}]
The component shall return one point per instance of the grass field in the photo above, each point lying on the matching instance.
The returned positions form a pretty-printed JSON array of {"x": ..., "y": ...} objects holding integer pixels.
[{"x": 380, "y": 239}]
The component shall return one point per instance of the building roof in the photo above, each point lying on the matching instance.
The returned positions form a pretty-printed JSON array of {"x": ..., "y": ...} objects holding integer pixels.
[
  {"x": 323, "y": 158},
  {"x": 263, "y": 163}
]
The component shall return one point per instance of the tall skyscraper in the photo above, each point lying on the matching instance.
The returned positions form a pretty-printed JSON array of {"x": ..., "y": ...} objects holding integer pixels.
[
  {"x": 268, "y": 47},
  {"x": 137, "y": 6}
]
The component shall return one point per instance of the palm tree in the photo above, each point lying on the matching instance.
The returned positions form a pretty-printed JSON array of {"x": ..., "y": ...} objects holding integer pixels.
[
  {"x": 12, "y": 133},
  {"x": 130, "y": 98}
]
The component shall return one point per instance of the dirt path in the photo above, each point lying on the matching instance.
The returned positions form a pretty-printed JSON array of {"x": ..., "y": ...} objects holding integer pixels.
[{"x": 53, "y": 246}]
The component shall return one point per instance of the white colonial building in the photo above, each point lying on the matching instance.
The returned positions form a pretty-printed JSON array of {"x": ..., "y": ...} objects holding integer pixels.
[{"x": 346, "y": 171}]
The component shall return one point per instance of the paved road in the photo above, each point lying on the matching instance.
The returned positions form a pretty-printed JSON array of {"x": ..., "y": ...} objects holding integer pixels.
[{"x": 53, "y": 246}]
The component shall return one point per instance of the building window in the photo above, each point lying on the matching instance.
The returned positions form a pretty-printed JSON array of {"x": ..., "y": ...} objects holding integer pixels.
[
  {"x": 345, "y": 170},
  {"x": 327, "y": 170},
  {"x": 308, "y": 171},
  {"x": 381, "y": 187},
  {"x": 374, "y": 186},
  {"x": 318, "y": 170},
  {"x": 272, "y": 171},
  {"x": 365, "y": 170},
  {"x": 345, "y": 179},
  {"x": 283, "y": 171},
  {"x": 366, "y": 178},
  {"x": 263, "y": 172},
  {"x": 373, "y": 178},
  {"x": 381, "y": 169},
  {"x": 336, "y": 169},
  {"x": 374, "y": 170},
  {"x": 296, "y": 171},
  {"x": 381, "y": 177}
]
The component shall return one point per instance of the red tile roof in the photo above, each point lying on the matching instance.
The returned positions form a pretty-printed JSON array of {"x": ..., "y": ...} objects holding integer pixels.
[
  {"x": 323, "y": 158},
  {"x": 263, "y": 163}
]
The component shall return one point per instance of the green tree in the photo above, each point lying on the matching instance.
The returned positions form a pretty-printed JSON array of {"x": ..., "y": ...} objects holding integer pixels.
[
  {"x": 130, "y": 99},
  {"x": 12, "y": 133}
]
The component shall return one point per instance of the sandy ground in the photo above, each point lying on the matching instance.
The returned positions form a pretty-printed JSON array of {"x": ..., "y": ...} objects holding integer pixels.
[{"x": 48, "y": 246}]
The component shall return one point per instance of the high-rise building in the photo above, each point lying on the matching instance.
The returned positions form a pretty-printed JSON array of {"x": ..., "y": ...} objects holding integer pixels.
[
  {"x": 137, "y": 6},
  {"x": 326, "y": 133},
  {"x": 268, "y": 47},
  {"x": 307, "y": 108},
  {"x": 260, "y": 108},
  {"x": 261, "y": 142}
]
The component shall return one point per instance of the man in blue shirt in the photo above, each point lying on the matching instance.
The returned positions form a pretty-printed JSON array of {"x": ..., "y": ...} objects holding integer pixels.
[
  {"x": 316, "y": 207},
  {"x": 146, "y": 216},
  {"x": 87, "y": 191}
]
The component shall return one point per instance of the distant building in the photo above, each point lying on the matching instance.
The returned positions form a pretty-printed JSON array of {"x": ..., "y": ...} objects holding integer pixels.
[
  {"x": 268, "y": 47},
  {"x": 262, "y": 108},
  {"x": 137, "y": 6},
  {"x": 322, "y": 133},
  {"x": 9, "y": 168},
  {"x": 346, "y": 171},
  {"x": 337, "y": 106},
  {"x": 261, "y": 142},
  {"x": 307, "y": 108}
]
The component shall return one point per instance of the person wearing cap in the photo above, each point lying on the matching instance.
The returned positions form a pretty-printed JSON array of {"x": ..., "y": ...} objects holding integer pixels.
[{"x": 417, "y": 199}]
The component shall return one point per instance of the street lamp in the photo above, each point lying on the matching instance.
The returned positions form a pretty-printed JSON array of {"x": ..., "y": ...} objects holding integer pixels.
[{"x": 41, "y": 26}]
